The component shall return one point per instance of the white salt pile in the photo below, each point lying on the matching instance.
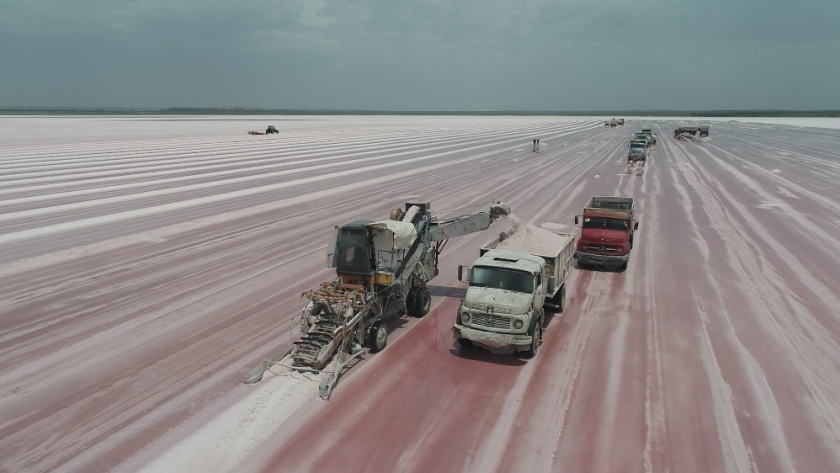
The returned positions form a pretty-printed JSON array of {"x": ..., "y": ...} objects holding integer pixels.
[
  {"x": 528, "y": 238},
  {"x": 554, "y": 227}
]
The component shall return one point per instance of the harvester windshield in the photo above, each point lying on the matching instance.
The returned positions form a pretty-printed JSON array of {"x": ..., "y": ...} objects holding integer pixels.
[{"x": 354, "y": 252}]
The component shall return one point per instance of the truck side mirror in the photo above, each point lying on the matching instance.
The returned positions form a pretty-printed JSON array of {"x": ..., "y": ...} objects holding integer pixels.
[
  {"x": 461, "y": 269},
  {"x": 577, "y": 220},
  {"x": 636, "y": 226}
]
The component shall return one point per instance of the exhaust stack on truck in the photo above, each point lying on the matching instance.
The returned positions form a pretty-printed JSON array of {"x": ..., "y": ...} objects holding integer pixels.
[{"x": 510, "y": 284}]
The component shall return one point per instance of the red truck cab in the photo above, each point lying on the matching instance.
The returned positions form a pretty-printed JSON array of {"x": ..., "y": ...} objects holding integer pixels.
[{"x": 606, "y": 235}]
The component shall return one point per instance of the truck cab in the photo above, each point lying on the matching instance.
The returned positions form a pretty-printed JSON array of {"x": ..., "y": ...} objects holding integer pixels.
[
  {"x": 510, "y": 284},
  {"x": 607, "y": 230},
  {"x": 502, "y": 309},
  {"x": 641, "y": 137},
  {"x": 637, "y": 151}
]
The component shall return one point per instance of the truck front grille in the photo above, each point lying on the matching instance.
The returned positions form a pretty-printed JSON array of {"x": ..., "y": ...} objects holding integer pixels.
[
  {"x": 602, "y": 248},
  {"x": 491, "y": 321}
]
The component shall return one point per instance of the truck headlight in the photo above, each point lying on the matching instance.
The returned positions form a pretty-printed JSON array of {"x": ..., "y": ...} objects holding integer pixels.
[
  {"x": 517, "y": 324},
  {"x": 465, "y": 317}
]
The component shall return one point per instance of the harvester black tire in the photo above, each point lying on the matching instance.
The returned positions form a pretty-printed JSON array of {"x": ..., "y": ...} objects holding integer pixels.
[
  {"x": 536, "y": 341},
  {"x": 377, "y": 337},
  {"x": 409, "y": 300},
  {"x": 421, "y": 302}
]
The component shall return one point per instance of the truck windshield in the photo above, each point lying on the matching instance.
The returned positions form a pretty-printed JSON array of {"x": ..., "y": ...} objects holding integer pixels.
[
  {"x": 605, "y": 223},
  {"x": 637, "y": 150},
  {"x": 502, "y": 278}
]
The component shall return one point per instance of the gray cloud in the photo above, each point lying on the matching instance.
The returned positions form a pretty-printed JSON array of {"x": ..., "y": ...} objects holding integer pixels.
[{"x": 420, "y": 55}]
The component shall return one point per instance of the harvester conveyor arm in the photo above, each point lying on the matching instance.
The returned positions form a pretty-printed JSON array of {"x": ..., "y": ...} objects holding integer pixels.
[{"x": 464, "y": 225}]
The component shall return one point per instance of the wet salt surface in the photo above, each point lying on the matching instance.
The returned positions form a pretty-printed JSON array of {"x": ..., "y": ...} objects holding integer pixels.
[
  {"x": 225, "y": 441},
  {"x": 752, "y": 396}
]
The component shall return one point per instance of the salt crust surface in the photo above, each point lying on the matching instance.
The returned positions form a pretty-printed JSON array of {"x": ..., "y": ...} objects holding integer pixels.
[{"x": 228, "y": 439}]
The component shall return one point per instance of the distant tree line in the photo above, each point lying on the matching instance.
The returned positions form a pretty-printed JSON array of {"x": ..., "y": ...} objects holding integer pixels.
[{"x": 263, "y": 111}]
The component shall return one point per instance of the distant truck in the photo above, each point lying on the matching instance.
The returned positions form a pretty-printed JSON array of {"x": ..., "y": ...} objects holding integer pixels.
[
  {"x": 510, "y": 285},
  {"x": 642, "y": 137},
  {"x": 268, "y": 131},
  {"x": 685, "y": 131},
  {"x": 638, "y": 151},
  {"x": 607, "y": 228}
]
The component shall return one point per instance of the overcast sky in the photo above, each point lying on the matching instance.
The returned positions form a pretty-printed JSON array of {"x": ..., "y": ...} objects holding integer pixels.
[{"x": 422, "y": 55}]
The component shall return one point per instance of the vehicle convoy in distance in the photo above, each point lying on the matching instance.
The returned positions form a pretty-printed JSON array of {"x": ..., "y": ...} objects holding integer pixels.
[
  {"x": 380, "y": 265},
  {"x": 607, "y": 228},
  {"x": 510, "y": 284}
]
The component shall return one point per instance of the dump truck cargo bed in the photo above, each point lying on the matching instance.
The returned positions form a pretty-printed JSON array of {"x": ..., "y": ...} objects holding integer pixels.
[
  {"x": 618, "y": 204},
  {"x": 557, "y": 249}
]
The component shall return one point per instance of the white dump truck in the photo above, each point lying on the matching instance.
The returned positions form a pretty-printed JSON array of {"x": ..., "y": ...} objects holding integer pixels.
[{"x": 510, "y": 284}]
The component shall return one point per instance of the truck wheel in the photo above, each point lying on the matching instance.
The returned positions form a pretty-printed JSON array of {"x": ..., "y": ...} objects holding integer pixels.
[
  {"x": 536, "y": 340},
  {"x": 561, "y": 299},
  {"x": 377, "y": 337},
  {"x": 421, "y": 302}
]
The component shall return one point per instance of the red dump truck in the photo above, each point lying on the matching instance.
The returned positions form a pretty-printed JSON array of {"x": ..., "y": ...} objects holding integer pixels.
[{"x": 606, "y": 235}]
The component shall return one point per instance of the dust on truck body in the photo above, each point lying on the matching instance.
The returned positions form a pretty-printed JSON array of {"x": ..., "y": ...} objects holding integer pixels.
[
  {"x": 503, "y": 309},
  {"x": 607, "y": 228}
]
